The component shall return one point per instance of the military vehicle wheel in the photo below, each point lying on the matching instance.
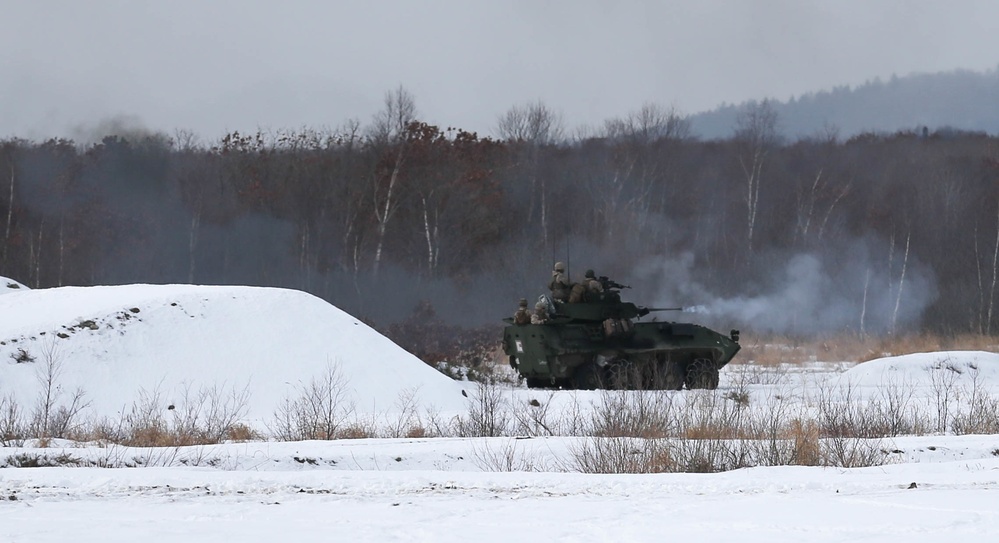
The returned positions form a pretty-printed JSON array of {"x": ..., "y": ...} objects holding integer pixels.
[
  {"x": 672, "y": 375},
  {"x": 536, "y": 383},
  {"x": 588, "y": 377},
  {"x": 624, "y": 374},
  {"x": 701, "y": 373}
]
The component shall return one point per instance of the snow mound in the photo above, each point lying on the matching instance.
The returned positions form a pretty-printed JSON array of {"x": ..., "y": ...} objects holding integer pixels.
[
  {"x": 961, "y": 367},
  {"x": 8, "y": 286},
  {"x": 119, "y": 342}
]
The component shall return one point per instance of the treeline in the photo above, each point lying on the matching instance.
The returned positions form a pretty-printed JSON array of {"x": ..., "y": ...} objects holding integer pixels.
[
  {"x": 960, "y": 99},
  {"x": 876, "y": 234}
]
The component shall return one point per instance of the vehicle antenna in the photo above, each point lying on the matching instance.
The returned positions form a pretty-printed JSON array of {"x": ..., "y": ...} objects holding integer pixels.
[{"x": 568, "y": 268}]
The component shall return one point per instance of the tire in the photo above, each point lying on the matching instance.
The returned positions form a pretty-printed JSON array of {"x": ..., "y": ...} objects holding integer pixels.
[
  {"x": 587, "y": 377},
  {"x": 620, "y": 374},
  {"x": 701, "y": 373},
  {"x": 673, "y": 375},
  {"x": 536, "y": 383}
]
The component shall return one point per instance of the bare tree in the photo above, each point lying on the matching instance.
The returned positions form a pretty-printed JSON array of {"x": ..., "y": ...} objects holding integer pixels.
[
  {"x": 756, "y": 134},
  {"x": 651, "y": 123},
  {"x": 10, "y": 204},
  {"x": 992, "y": 287},
  {"x": 901, "y": 279},
  {"x": 320, "y": 410},
  {"x": 642, "y": 155},
  {"x": 51, "y": 418},
  {"x": 389, "y": 129},
  {"x": 534, "y": 123}
]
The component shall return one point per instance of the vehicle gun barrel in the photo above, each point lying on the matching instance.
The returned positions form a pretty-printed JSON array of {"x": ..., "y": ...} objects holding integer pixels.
[{"x": 643, "y": 311}]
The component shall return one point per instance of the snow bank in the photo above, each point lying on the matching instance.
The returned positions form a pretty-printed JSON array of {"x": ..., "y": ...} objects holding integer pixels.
[
  {"x": 114, "y": 342},
  {"x": 8, "y": 286},
  {"x": 921, "y": 369}
]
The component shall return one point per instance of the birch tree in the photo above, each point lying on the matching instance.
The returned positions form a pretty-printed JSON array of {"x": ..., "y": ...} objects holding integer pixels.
[
  {"x": 644, "y": 146},
  {"x": 390, "y": 132},
  {"x": 756, "y": 135},
  {"x": 534, "y": 125}
]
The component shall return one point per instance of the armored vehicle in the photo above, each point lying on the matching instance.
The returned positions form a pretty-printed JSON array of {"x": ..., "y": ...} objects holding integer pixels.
[{"x": 596, "y": 343}]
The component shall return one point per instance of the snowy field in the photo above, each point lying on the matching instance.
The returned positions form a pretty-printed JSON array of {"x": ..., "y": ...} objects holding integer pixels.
[{"x": 268, "y": 343}]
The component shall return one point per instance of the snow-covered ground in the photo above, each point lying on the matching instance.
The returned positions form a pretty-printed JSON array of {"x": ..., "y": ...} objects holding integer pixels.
[
  {"x": 434, "y": 490},
  {"x": 270, "y": 342},
  {"x": 117, "y": 343}
]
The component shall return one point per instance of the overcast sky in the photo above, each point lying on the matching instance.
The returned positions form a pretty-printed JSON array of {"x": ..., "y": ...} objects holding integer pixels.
[{"x": 213, "y": 66}]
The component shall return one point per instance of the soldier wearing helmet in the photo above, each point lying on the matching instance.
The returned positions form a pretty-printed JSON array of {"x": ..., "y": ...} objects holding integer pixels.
[
  {"x": 522, "y": 316},
  {"x": 560, "y": 285},
  {"x": 587, "y": 290},
  {"x": 540, "y": 315},
  {"x": 593, "y": 286}
]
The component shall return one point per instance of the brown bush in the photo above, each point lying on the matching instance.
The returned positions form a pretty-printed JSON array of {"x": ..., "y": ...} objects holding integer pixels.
[
  {"x": 773, "y": 350},
  {"x": 805, "y": 436},
  {"x": 356, "y": 431}
]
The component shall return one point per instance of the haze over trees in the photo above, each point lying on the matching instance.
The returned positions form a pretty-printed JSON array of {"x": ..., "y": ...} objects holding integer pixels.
[
  {"x": 962, "y": 100},
  {"x": 876, "y": 233}
]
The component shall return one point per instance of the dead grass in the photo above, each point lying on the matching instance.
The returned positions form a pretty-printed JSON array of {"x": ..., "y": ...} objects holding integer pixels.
[
  {"x": 356, "y": 431},
  {"x": 805, "y": 437},
  {"x": 774, "y": 350}
]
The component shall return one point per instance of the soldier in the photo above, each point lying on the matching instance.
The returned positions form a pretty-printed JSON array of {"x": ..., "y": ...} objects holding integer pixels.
[
  {"x": 593, "y": 286},
  {"x": 560, "y": 285},
  {"x": 540, "y": 315},
  {"x": 587, "y": 290},
  {"x": 522, "y": 316}
]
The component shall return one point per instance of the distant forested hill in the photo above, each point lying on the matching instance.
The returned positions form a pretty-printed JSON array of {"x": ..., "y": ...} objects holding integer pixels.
[{"x": 962, "y": 100}]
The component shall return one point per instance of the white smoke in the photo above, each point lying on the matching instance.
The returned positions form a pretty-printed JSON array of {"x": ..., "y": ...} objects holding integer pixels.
[{"x": 855, "y": 288}]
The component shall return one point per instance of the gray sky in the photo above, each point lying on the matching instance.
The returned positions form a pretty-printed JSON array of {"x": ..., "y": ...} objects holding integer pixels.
[{"x": 215, "y": 66}]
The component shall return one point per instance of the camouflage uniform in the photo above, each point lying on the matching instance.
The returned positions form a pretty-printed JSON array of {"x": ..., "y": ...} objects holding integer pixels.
[
  {"x": 587, "y": 289},
  {"x": 540, "y": 315},
  {"x": 593, "y": 286},
  {"x": 522, "y": 316},
  {"x": 560, "y": 285}
]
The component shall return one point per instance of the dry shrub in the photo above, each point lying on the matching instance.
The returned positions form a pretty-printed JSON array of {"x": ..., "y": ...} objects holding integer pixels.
[
  {"x": 205, "y": 417},
  {"x": 804, "y": 434},
  {"x": 356, "y": 431},
  {"x": 407, "y": 416},
  {"x": 13, "y": 431},
  {"x": 488, "y": 413},
  {"x": 903, "y": 344},
  {"x": 774, "y": 350},
  {"x": 320, "y": 411},
  {"x": 155, "y": 436},
  {"x": 622, "y": 455},
  {"x": 642, "y": 414},
  {"x": 844, "y": 452},
  {"x": 661, "y": 455},
  {"x": 240, "y": 432},
  {"x": 924, "y": 343},
  {"x": 533, "y": 417},
  {"x": 505, "y": 457},
  {"x": 711, "y": 415},
  {"x": 981, "y": 416},
  {"x": 416, "y": 432}
]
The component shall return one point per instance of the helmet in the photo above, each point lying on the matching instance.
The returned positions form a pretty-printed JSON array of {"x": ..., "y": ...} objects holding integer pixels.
[
  {"x": 590, "y": 274},
  {"x": 523, "y": 302},
  {"x": 540, "y": 305},
  {"x": 559, "y": 267}
]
